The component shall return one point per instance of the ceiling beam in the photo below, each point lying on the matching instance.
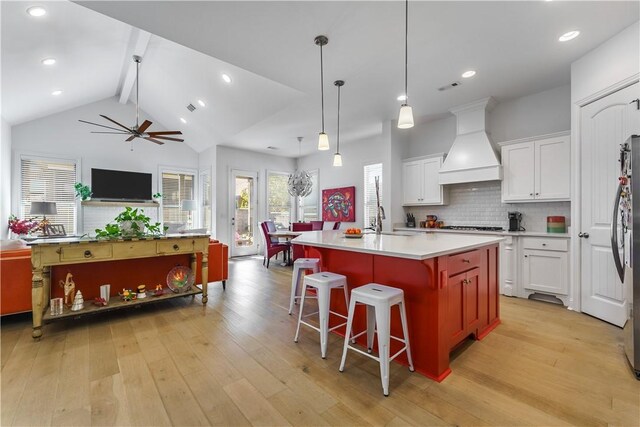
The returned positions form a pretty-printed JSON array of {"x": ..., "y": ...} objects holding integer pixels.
[{"x": 137, "y": 46}]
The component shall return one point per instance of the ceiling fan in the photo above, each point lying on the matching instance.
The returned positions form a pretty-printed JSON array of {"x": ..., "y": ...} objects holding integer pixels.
[{"x": 139, "y": 130}]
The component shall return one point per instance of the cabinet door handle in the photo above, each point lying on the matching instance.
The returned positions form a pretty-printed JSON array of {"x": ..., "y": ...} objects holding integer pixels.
[
  {"x": 468, "y": 261},
  {"x": 526, "y": 256},
  {"x": 544, "y": 244},
  {"x": 176, "y": 247},
  {"x": 531, "y": 194},
  {"x": 88, "y": 254}
]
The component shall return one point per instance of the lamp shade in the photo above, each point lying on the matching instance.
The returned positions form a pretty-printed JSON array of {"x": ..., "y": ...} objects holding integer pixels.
[
  {"x": 43, "y": 208},
  {"x": 337, "y": 159},
  {"x": 323, "y": 141},
  {"x": 189, "y": 205},
  {"x": 405, "y": 119}
]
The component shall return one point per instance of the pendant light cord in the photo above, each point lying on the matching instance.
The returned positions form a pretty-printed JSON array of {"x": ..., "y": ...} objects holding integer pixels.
[
  {"x": 137, "y": 96},
  {"x": 406, "y": 49},
  {"x": 338, "y": 133},
  {"x": 322, "y": 86}
]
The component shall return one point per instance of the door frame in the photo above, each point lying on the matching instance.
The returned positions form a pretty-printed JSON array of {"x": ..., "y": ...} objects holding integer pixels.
[
  {"x": 232, "y": 207},
  {"x": 576, "y": 168}
]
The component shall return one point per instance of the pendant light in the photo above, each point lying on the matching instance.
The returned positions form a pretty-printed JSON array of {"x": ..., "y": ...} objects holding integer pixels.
[
  {"x": 323, "y": 139},
  {"x": 337, "y": 158},
  {"x": 405, "y": 119},
  {"x": 299, "y": 183}
]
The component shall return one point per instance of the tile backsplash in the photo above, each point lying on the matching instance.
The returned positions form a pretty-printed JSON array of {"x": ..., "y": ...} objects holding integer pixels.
[{"x": 479, "y": 203}]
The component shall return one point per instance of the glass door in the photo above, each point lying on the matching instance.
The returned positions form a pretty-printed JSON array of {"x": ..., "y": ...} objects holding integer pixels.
[{"x": 244, "y": 225}]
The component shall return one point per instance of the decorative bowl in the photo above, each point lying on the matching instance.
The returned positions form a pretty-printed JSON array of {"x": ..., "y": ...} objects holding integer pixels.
[
  {"x": 353, "y": 236},
  {"x": 180, "y": 279}
]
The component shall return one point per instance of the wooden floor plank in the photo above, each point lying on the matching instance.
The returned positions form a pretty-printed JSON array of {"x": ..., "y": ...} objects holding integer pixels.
[
  {"x": 253, "y": 404},
  {"x": 108, "y": 402}
]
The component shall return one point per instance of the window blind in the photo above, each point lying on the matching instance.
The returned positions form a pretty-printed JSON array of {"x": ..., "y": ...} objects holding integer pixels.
[
  {"x": 49, "y": 180},
  {"x": 370, "y": 205},
  {"x": 176, "y": 187},
  {"x": 309, "y": 205},
  {"x": 206, "y": 201},
  {"x": 279, "y": 199}
]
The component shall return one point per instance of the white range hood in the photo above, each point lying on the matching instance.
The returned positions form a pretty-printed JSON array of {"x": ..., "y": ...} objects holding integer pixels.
[{"x": 472, "y": 157}]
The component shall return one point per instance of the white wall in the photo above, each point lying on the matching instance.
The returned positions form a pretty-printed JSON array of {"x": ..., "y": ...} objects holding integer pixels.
[
  {"x": 61, "y": 135},
  {"x": 230, "y": 158},
  {"x": 613, "y": 61},
  {"x": 354, "y": 156},
  {"x": 5, "y": 176}
]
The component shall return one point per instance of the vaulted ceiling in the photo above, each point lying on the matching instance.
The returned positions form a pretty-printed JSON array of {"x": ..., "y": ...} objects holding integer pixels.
[{"x": 267, "y": 48}]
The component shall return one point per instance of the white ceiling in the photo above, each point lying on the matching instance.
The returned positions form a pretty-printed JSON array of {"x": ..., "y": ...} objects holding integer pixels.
[
  {"x": 274, "y": 96},
  {"x": 89, "y": 49}
]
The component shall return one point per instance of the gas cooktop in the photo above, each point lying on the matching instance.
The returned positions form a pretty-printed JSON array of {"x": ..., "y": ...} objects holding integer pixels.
[{"x": 472, "y": 228}]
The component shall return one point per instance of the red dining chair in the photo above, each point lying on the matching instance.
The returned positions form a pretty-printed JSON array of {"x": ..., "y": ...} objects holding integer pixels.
[
  {"x": 271, "y": 248},
  {"x": 336, "y": 225},
  {"x": 317, "y": 225},
  {"x": 297, "y": 251}
]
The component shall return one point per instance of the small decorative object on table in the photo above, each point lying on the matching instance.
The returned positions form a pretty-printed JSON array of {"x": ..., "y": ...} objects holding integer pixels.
[
  {"x": 353, "y": 233},
  {"x": 180, "y": 279},
  {"x": 55, "y": 230},
  {"x": 128, "y": 295},
  {"x": 22, "y": 226},
  {"x": 158, "y": 291},
  {"x": 556, "y": 224},
  {"x": 56, "y": 306},
  {"x": 105, "y": 292},
  {"x": 100, "y": 302},
  {"x": 78, "y": 302},
  {"x": 142, "y": 292},
  {"x": 69, "y": 287}
]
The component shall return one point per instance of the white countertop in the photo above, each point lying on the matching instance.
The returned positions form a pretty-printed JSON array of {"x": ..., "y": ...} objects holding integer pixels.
[
  {"x": 401, "y": 245},
  {"x": 492, "y": 233}
]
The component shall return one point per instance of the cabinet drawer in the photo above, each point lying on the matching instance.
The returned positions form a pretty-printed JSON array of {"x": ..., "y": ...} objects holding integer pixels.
[
  {"x": 183, "y": 246},
  {"x": 77, "y": 252},
  {"x": 463, "y": 262},
  {"x": 542, "y": 243}
]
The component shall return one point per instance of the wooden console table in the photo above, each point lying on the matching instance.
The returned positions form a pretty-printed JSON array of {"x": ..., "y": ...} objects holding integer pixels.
[{"x": 46, "y": 253}]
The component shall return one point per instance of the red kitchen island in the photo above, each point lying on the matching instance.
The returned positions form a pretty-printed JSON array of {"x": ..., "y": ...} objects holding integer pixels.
[{"x": 450, "y": 285}]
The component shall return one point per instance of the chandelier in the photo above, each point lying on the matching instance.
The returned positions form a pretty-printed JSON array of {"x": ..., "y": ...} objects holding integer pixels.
[{"x": 299, "y": 184}]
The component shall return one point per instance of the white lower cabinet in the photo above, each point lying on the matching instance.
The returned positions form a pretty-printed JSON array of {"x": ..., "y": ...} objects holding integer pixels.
[{"x": 535, "y": 265}]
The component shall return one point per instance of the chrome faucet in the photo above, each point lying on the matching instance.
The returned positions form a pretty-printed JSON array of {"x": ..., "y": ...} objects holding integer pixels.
[{"x": 380, "y": 211}]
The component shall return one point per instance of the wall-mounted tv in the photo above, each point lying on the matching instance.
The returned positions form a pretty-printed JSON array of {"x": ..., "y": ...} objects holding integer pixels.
[{"x": 120, "y": 185}]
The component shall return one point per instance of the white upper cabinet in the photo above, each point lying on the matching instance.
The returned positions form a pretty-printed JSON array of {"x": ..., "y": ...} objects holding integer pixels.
[
  {"x": 537, "y": 169},
  {"x": 420, "y": 181}
]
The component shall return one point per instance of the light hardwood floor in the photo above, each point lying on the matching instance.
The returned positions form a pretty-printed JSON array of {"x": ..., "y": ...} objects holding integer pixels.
[{"x": 235, "y": 363}]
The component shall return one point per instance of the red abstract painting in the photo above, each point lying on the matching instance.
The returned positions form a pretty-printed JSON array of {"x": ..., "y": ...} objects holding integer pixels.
[{"x": 339, "y": 204}]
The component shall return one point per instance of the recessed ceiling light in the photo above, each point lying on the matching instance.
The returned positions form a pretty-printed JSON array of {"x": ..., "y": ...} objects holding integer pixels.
[
  {"x": 48, "y": 61},
  {"x": 56, "y": 92},
  {"x": 402, "y": 98},
  {"x": 226, "y": 78},
  {"x": 569, "y": 36},
  {"x": 201, "y": 102},
  {"x": 36, "y": 11},
  {"x": 183, "y": 120},
  {"x": 468, "y": 74}
]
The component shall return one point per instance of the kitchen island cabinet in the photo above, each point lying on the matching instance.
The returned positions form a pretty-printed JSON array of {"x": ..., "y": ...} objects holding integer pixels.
[{"x": 450, "y": 284}]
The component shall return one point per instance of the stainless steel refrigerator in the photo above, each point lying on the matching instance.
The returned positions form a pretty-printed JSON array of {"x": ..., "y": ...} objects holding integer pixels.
[{"x": 626, "y": 246}]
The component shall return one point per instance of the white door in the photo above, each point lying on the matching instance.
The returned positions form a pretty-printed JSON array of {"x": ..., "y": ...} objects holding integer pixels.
[
  {"x": 432, "y": 190},
  {"x": 553, "y": 168},
  {"x": 412, "y": 182},
  {"x": 243, "y": 205},
  {"x": 518, "y": 164},
  {"x": 604, "y": 125}
]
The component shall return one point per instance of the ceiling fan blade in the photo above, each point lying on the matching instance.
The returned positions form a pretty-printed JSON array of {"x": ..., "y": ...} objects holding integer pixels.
[
  {"x": 167, "y": 138},
  {"x": 113, "y": 121},
  {"x": 154, "y": 140},
  {"x": 96, "y": 124},
  {"x": 144, "y": 126},
  {"x": 166, "y": 132},
  {"x": 131, "y": 138},
  {"x": 115, "y": 133}
]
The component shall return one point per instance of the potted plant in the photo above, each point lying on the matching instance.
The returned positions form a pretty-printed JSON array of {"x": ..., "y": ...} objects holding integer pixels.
[
  {"x": 130, "y": 223},
  {"x": 83, "y": 191}
]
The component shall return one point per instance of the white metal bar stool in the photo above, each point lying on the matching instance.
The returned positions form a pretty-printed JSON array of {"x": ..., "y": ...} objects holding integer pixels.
[
  {"x": 379, "y": 299},
  {"x": 299, "y": 267},
  {"x": 323, "y": 283}
]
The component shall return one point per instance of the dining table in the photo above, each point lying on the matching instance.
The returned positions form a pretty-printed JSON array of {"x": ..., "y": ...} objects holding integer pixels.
[{"x": 288, "y": 235}]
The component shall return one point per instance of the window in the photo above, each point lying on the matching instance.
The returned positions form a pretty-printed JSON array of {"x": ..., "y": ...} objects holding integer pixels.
[
  {"x": 309, "y": 205},
  {"x": 205, "y": 179},
  {"x": 49, "y": 180},
  {"x": 278, "y": 199},
  {"x": 176, "y": 188},
  {"x": 370, "y": 204}
]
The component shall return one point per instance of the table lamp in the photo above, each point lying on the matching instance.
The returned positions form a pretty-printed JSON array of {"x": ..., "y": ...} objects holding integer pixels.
[
  {"x": 44, "y": 209},
  {"x": 189, "y": 206}
]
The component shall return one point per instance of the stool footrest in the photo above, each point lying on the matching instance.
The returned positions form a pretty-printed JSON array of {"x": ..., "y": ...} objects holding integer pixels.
[
  {"x": 396, "y": 355},
  {"x": 364, "y": 353}
]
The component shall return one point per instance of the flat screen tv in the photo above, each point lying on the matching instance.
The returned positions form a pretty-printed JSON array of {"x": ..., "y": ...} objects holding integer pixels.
[{"x": 120, "y": 185}]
